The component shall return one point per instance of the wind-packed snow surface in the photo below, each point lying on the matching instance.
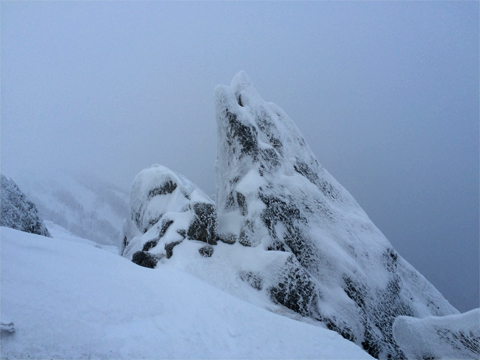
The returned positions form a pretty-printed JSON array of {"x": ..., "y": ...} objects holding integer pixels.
[
  {"x": 17, "y": 211},
  {"x": 446, "y": 337},
  {"x": 68, "y": 299},
  {"x": 322, "y": 256}
]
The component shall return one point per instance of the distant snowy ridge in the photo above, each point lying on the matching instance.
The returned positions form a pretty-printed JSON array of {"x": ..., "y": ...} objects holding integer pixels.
[
  {"x": 88, "y": 207},
  {"x": 17, "y": 211},
  {"x": 288, "y": 236},
  {"x": 76, "y": 301},
  {"x": 446, "y": 337}
]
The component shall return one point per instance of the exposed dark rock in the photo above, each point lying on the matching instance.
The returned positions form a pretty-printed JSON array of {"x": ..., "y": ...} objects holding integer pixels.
[
  {"x": 206, "y": 251},
  {"x": 169, "y": 248},
  {"x": 150, "y": 244},
  {"x": 144, "y": 259},
  {"x": 296, "y": 290},
  {"x": 255, "y": 280},
  {"x": 204, "y": 224},
  {"x": 243, "y": 135},
  {"x": 166, "y": 188}
]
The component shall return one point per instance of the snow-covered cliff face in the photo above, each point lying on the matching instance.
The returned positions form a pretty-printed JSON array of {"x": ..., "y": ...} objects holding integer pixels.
[
  {"x": 165, "y": 209},
  {"x": 338, "y": 268},
  {"x": 18, "y": 212}
]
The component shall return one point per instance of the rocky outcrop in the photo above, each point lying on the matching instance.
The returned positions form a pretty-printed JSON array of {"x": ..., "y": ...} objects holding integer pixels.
[
  {"x": 284, "y": 234},
  {"x": 165, "y": 209},
  {"x": 18, "y": 212},
  {"x": 273, "y": 194},
  {"x": 445, "y": 337}
]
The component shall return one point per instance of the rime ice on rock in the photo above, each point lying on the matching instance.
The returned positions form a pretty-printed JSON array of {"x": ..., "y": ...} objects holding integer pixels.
[
  {"x": 338, "y": 267},
  {"x": 165, "y": 209},
  {"x": 18, "y": 212},
  {"x": 445, "y": 337}
]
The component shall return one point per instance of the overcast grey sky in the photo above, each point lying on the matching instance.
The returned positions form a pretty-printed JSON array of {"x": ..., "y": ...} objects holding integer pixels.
[{"x": 385, "y": 93}]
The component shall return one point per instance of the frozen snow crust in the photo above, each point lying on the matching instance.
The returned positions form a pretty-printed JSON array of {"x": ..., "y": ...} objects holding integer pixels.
[
  {"x": 284, "y": 234},
  {"x": 18, "y": 212},
  {"x": 165, "y": 209},
  {"x": 77, "y": 301},
  {"x": 446, "y": 337}
]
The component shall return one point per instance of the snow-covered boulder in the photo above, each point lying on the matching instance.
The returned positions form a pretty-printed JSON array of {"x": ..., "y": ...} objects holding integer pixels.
[
  {"x": 445, "y": 337},
  {"x": 274, "y": 196},
  {"x": 165, "y": 209},
  {"x": 18, "y": 212}
]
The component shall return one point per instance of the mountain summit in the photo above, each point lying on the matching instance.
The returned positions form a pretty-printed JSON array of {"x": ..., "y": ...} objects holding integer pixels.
[
  {"x": 272, "y": 193},
  {"x": 283, "y": 234}
]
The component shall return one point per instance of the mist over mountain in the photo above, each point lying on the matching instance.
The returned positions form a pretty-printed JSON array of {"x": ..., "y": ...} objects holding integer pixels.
[
  {"x": 83, "y": 204},
  {"x": 284, "y": 263},
  {"x": 385, "y": 93}
]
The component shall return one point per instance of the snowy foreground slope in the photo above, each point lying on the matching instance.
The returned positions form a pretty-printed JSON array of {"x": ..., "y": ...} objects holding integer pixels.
[{"x": 73, "y": 300}]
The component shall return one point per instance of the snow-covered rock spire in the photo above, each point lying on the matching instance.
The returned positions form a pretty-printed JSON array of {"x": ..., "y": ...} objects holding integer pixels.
[{"x": 339, "y": 268}]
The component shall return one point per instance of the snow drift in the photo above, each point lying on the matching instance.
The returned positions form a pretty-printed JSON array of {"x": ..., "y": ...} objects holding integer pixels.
[
  {"x": 446, "y": 337},
  {"x": 18, "y": 212}
]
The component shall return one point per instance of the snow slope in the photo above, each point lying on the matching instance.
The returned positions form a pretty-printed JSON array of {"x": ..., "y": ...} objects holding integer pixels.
[{"x": 68, "y": 299}]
